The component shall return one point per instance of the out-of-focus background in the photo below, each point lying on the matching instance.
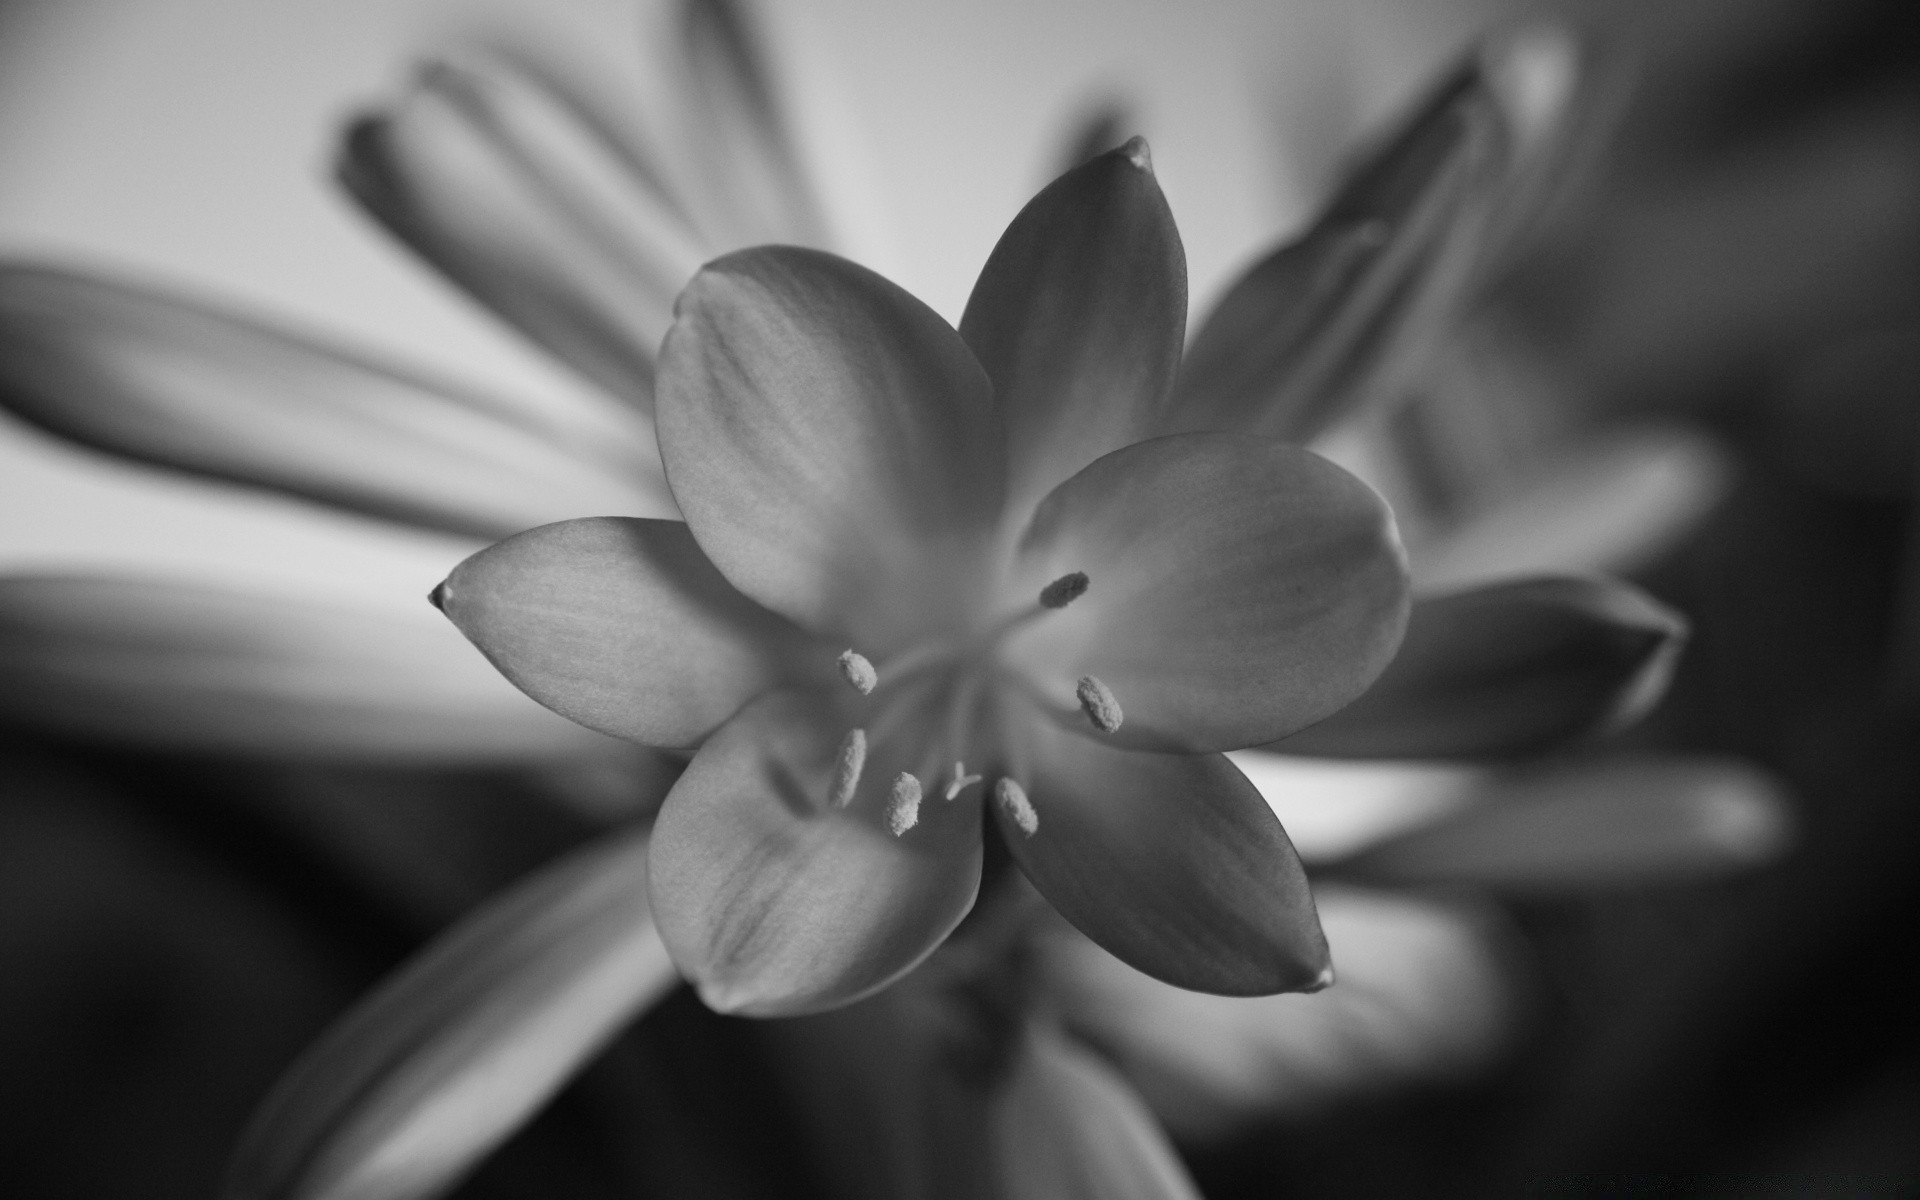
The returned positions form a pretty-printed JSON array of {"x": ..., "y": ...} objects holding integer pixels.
[{"x": 1738, "y": 247}]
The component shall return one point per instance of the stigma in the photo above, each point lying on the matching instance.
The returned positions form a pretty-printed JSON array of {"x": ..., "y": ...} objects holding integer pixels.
[
  {"x": 903, "y": 804},
  {"x": 960, "y": 781},
  {"x": 1098, "y": 703},
  {"x": 856, "y": 670},
  {"x": 1013, "y": 801},
  {"x": 847, "y": 765}
]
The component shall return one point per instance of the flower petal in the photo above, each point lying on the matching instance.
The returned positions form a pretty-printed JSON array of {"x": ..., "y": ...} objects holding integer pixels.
[
  {"x": 1507, "y": 670},
  {"x": 185, "y": 667},
  {"x": 1332, "y": 320},
  {"x": 832, "y": 443},
  {"x": 162, "y": 378},
  {"x": 456, "y": 1050},
  {"x": 754, "y": 185},
  {"x": 1614, "y": 503},
  {"x": 1588, "y": 825},
  {"x": 1066, "y": 1127},
  {"x": 1172, "y": 862},
  {"x": 1425, "y": 996},
  {"x": 1236, "y": 587},
  {"x": 624, "y": 626},
  {"x": 1078, "y": 318},
  {"x": 506, "y": 189},
  {"x": 774, "y": 902}
]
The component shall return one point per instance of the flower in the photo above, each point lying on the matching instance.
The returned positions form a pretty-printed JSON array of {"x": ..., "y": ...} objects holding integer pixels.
[{"x": 1042, "y": 609}]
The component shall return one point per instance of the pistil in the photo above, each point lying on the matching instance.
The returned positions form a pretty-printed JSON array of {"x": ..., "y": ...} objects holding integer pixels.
[{"x": 960, "y": 781}]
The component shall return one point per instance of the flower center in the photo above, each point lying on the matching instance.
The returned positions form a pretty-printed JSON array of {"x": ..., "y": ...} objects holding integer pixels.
[{"x": 968, "y": 664}]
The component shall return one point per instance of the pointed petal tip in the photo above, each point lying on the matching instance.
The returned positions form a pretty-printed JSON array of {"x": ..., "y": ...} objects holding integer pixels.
[
  {"x": 438, "y": 596},
  {"x": 1135, "y": 151},
  {"x": 1322, "y": 981}
]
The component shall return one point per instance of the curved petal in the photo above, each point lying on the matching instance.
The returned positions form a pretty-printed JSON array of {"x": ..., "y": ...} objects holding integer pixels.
[
  {"x": 1426, "y": 996},
  {"x": 1331, "y": 321},
  {"x": 1078, "y": 318},
  {"x": 502, "y": 186},
  {"x": 184, "y": 667},
  {"x": 165, "y": 379},
  {"x": 465, "y": 1042},
  {"x": 1172, "y": 862},
  {"x": 1508, "y": 670},
  {"x": 624, "y": 626},
  {"x": 1235, "y": 588},
  {"x": 1064, "y": 1126},
  {"x": 1588, "y": 825},
  {"x": 775, "y": 902},
  {"x": 831, "y": 442}
]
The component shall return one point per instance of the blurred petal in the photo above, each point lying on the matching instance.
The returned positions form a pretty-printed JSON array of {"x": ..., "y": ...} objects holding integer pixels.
[
  {"x": 1331, "y": 321},
  {"x": 831, "y": 442},
  {"x": 161, "y": 378},
  {"x": 454, "y": 1052},
  {"x": 186, "y": 667},
  {"x": 774, "y": 902},
  {"x": 1236, "y": 588},
  {"x": 624, "y": 626},
  {"x": 1507, "y": 670},
  {"x": 1078, "y": 318},
  {"x": 1423, "y": 996},
  {"x": 1066, "y": 1127},
  {"x": 1633, "y": 821},
  {"x": 755, "y": 186},
  {"x": 1172, "y": 862},
  {"x": 1611, "y": 506},
  {"x": 1332, "y": 807},
  {"x": 503, "y": 187}
]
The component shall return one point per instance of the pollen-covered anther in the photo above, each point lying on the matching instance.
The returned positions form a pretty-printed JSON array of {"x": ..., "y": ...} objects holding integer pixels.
[
  {"x": 1064, "y": 590},
  {"x": 847, "y": 765},
  {"x": 1013, "y": 800},
  {"x": 960, "y": 781},
  {"x": 1098, "y": 703},
  {"x": 856, "y": 670},
  {"x": 903, "y": 804}
]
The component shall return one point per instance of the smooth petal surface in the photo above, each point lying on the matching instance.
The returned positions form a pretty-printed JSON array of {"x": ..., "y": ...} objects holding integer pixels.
[
  {"x": 775, "y": 903},
  {"x": 624, "y": 626},
  {"x": 1172, "y": 862},
  {"x": 1066, "y": 1127},
  {"x": 1507, "y": 670},
  {"x": 1622, "y": 823},
  {"x": 1078, "y": 318},
  {"x": 754, "y": 187},
  {"x": 167, "y": 379},
  {"x": 180, "y": 666},
  {"x": 1612, "y": 504},
  {"x": 1236, "y": 588},
  {"x": 1335, "y": 319},
  {"x": 1424, "y": 997},
  {"x": 455, "y": 1051},
  {"x": 831, "y": 442},
  {"x": 503, "y": 186}
]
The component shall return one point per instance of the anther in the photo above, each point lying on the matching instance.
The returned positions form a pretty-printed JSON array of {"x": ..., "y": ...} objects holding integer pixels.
[
  {"x": 1064, "y": 590},
  {"x": 1098, "y": 703},
  {"x": 847, "y": 766},
  {"x": 856, "y": 670},
  {"x": 1019, "y": 809},
  {"x": 903, "y": 805},
  {"x": 960, "y": 781}
]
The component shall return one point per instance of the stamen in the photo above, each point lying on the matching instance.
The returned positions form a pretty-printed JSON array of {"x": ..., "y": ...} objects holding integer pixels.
[
  {"x": 847, "y": 767},
  {"x": 1019, "y": 809},
  {"x": 903, "y": 806},
  {"x": 856, "y": 670},
  {"x": 1098, "y": 703},
  {"x": 1064, "y": 590},
  {"x": 960, "y": 781}
]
